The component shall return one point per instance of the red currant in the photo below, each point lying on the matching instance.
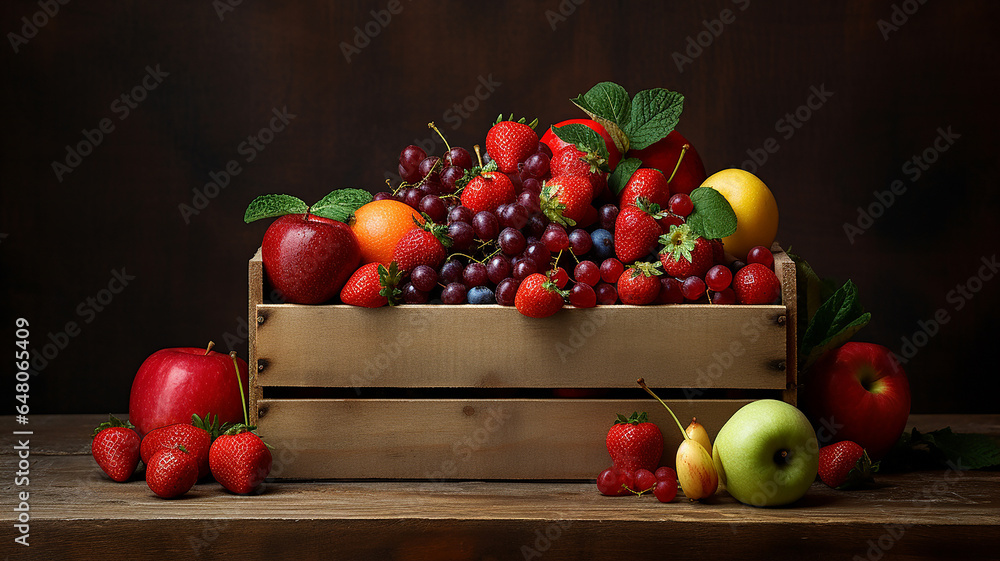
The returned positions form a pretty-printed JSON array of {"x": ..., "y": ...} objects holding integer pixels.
[
  {"x": 670, "y": 291},
  {"x": 664, "y": 473},
  {"x": 607, "y": 294},
  {"x": 611, "y": 269},
  {"x": 560, "y": 277},
  {"x": 693, "y": 288},
  {"x": 665, "y": 491},
  {"x": 587, "y": 272},
  {"x": 760, "y": 254},
  {"x": 727, "y": 296},
  {"x": 582, "y": 296},
  {"x": 644, "y": 480},
  {"x": 608, "y": 483},
  {"x": 718, "y": 278},
  {"x": 680, "y": 204}
]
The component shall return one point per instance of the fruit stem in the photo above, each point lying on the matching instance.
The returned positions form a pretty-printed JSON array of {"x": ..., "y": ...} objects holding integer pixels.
[
  {"x": 478, "y": 155},
  {"x": 680, "y": 158},
  {"x": 209, "y": 349},
  {"x": 431, "y": 125},
  {"x": 642, "y": 383},
  {"x": 239, "y": 382}
]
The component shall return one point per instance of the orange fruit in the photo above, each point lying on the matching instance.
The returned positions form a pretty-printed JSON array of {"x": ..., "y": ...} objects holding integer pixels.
[
  {"x": 378, "y": 225},
  {"x": 755, "y": 208}
]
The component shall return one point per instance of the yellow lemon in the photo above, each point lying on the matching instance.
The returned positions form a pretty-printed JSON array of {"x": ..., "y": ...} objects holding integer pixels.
[{"x": 755, "y": 208}]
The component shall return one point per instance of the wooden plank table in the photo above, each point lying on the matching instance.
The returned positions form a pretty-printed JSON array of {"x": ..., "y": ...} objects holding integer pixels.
[{"x": 78, "y": 513}]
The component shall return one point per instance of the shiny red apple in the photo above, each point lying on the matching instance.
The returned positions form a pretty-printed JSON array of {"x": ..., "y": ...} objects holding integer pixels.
[
  {"x": 858, "y": 392},
  {"x": 173, "y": 384},
  {"x": 308, "y": 258},
  {"x": 664, "y": 154}
]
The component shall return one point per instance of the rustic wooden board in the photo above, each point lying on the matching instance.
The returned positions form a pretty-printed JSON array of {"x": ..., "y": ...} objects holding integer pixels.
[
  {"x": 463, "y": 439},
  {"x": 784, "y": 267},
  {"x": 77, "y": 513}
]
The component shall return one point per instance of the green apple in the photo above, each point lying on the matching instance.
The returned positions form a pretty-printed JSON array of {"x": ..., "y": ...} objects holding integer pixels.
[{"x": 767, "y": 454}]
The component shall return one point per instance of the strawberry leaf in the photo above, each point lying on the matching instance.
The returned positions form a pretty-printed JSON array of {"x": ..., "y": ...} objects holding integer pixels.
[
  {"x": 389, "y": 280},
  {"x": 586, "y": 140},
  {"x": 272, "y": 206},
  {"x": 713, "y": 216},
  {"x": 608, "y": 104},
  {"x": 340, "y": 205},
  {"x": 112, "y": 422},
  {"x": 654, "y": 115},
  {"x": 619, "y": 178},
  {"x": 835, "y": 322}
]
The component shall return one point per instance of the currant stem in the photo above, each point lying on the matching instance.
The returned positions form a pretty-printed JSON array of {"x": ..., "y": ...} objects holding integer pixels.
[
  {"x": 431, "y": 125},
  {"x": 209, "y": 349},
  {"x": 680, "y": 159},
  {"x": 642, "y": 383},
  {"x": 239, "y": 382}
]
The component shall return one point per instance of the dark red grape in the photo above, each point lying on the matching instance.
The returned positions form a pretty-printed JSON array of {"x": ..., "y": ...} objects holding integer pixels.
[
  {"x": 735, "y": 266},
  {"x": 430, "y": 163},
  {"x": 512, "y": 241},
  {"x": 486, "y": 225},
  {"x": 664, "y": 473},
  {"x": 530, "y": 202},
  {"x": 506, "y": 291},
  {"x": 498, "y": 268},
  {"x": 514, "y": 216},
  {"x": 413, "y": 295},
  {"x": 555, "y": 238},
  {"x": 611, "y": 269},
  {"x": 434, "y": 207},
  {"x": 537, "y": 165},
  {"x": 544, "y": 149},
  {"x": 533, "y": 185},
  {"x": 424, "y": 278},
  {"x": 582, "y": 295},
  {"x": 474, "y": 275},
  {"x": 523, "y": 268},
  {"x": 580, "y": 242},
  {"x": 536, "y": 226},
  {"x": 718, "y": 278},
  {"x": 670, "y": 291},
  {"x": 665, "y": 491},
  {"x": 609, "y": 483},
  {"x": 644, "y": 480},
  {"x": 451, "y": 271},
  {"x": 409, "y": 162},
  {"x": 449, "y": 177},
  {"x": 607, "y": 215},
  {"x": 587, "y": 272},
  {"x": 382, "y": 195},
  {"x": 462, "y": 235},
  {"x": 460, "y": 214},
  {"x": 693, "y": 288},
  {"x": 559, "y": 276},
  {"x": 762, "y": 255},
  {"x": 726, "y": 296},
  {"x": 458, "y": 157},
  {"x": 607, "y": 294},
  {"x": 538, "y": 253},
  {"x": 412, "y": 197},
  {"x": 454, "y": 293}
]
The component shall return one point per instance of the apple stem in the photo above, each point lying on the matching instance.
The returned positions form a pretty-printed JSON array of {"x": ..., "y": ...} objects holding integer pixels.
[
  {"x": 680, "y": 159},
  {"x": 642, "y": 383},
  {"x": 432, "y": 126},
  {"x": 209, "y": 349},
  {"x": 239, "y": 382},
  {"x": 478, "y": 155}
]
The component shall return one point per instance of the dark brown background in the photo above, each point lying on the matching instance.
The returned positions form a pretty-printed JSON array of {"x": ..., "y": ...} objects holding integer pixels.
[{"x": 119, "y": 208}]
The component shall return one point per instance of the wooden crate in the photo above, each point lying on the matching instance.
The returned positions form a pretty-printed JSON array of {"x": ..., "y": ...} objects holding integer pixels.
[{"x": 464, "y": 392}]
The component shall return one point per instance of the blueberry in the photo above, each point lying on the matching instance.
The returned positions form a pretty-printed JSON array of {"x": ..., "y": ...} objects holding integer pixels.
[
  {"x": 481, "y": 295},
  {"x": 604, "y": 244}
]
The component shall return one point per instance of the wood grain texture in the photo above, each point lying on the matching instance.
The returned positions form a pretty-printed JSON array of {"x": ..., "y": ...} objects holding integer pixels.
[
  {"x": 77, "y": 513},
  {"x": 784, "y": 267},
  {"x": 463, "y": 439},
  {"x": 256, "y": 298}
]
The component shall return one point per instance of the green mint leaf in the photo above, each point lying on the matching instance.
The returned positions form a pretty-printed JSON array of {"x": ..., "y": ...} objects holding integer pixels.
[
  {"x": 812, "y": 291},
  {"x": 619, "y": 178},
  {"x": 713, "y": 216},
  {"x": 836, "y": 321},
  {"x": 340, "y": 205},
  {"x": 608, "y": 104},
  {"x": 270, "y": 206},
  {"x": 654, "y": 115},
  {"x": 584, "y": 138}
]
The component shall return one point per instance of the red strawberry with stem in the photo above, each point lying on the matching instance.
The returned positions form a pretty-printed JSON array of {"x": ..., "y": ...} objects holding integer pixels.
[
  {"x": 645, "y": 183},
  {"x": 196, "y": 437},
  {"x": 685, "y": 253},
  {"x": 565, "y": 199},
  {"x": 510, "y": 143},
  {"x": 538, "y": 296},
  {"x": 373, "y": 286},
  {"x": 756, "y": 284},
  {"x": 422, "y": 246},
  {"x": 635, "y": 443},
  {"x": 239, "y": 459},
  {"x": 116, "y": 448},
  {"x": 572, "y": 161},
  {"x": 846, "y": 465},
  {"x": 637, "y": 230},
  {"x": 639, "y": 284},
  {"x": 485, "y": 188},
  {"x": 171, "y": 472}
]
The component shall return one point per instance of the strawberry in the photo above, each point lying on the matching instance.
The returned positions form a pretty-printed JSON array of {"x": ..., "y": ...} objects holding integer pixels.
[
  {"x": 116, "y": 448},
  {"x": 639, "y": 284},
  {"x": 566, "y": 199},
  {"x": 196, "y": 437},
  {"x": 756, "y": 284},
  {"x": 484, "y": 188},
  {"x": 422, "y": 246},
  {"x": 636, "y": 231},
  {"x": 373, "y": 286},
  {"x": 572, "y": 161},
  {"x": 171, "y": 472},
  {"x": 538, "y": 296},
  {"x": 646, "y": 183},
  {"x": 684, "y": 253},
  {"x": 510, "y": 143},
  {"x": 240, "y": 460},
  {"x": 634, "y": 443},
  {"x": 845, "y": 465}
]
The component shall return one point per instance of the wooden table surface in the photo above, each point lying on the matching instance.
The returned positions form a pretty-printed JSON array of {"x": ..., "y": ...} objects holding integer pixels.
[{"x": 78, "y": 513}]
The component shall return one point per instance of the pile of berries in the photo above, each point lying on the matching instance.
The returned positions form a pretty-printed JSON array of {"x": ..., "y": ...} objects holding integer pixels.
[{"x": 534, "y": 224}]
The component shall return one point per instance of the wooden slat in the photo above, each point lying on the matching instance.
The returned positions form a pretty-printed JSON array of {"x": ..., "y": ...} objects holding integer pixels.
[
  {"x": 256, "y": 277},
  {"x": 685, "y": 346},
  {"x": 463, "y": 439},
  {"x": 784, "y": 267}
]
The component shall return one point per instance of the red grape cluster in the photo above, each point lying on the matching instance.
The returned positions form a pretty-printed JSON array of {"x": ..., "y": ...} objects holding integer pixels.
[{"x": 616, "y": 482}]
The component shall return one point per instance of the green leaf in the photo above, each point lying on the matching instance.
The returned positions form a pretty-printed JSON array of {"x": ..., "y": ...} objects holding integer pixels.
[
  {"x": 713, "y": 216},
  {"x": 608, "y": 104},
  {"x": 619, "y": 178},
  {"x": 585, "y": 138},
  {"x": 654, "y": 115},
  {"x": 340, "y": 205},
  {"x": 836, "y": 321},
  {"x": 943, "y": 448},
  {"x": 270, "y": 206}
]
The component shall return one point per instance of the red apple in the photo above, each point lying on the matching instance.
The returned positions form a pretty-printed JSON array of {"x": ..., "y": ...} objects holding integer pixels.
[
  {"x": 308, "y": 258},
  {"x": 555, "y": 143},
  {"x": 859, "y": 392},
  {"x": 664, "y": 154},
  {"x": 173, "y": 384}
]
